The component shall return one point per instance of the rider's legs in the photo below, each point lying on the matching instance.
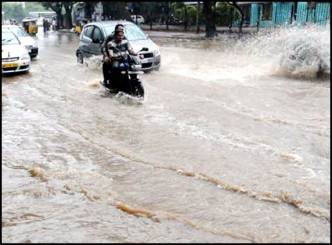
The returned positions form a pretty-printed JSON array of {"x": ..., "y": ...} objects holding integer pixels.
[{"x": 106, "y": 73}]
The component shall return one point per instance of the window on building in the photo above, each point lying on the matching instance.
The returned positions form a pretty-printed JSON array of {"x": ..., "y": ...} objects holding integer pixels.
[{"x": 267, "y": 11}]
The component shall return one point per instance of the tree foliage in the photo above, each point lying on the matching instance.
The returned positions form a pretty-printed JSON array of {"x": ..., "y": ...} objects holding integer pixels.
[
  {"x": 116, "y": 10},
  {"x": 63, "y": 11},
  {"x": 209, "y": 10},
  {"x": 17, "y": 12},
  {"x": 226, "y": 14}
]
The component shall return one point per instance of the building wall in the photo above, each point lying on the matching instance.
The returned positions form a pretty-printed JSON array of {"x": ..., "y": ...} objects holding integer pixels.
[
  {"x": 320, "y": 15},
  {"x": 282, "y": 14},
  {"x": 254, "y": 14}
]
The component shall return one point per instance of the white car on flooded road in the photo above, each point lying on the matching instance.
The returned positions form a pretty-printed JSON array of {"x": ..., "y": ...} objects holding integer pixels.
[
  {"x": 15, "y": 57},
  {"x": 25, "y": 39},
  {"x": 94, "y": 35}
]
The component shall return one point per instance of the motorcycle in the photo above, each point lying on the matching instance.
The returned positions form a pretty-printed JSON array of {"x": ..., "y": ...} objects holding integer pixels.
[{"x": 124, "y": 75}]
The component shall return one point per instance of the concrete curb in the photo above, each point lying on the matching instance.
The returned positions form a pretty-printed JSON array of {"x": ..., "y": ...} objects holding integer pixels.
[{"x": 173, "y": 34}]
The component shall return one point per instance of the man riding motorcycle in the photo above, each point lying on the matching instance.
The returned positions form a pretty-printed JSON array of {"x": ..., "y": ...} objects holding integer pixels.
[
  {"x": 114, "y": 43},
  {"x": 106, "y": 57},
  {"x": 116, "y": 50}
]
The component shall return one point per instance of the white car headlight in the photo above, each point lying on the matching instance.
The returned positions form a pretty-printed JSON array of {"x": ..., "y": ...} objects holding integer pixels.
[
  {"x": 157, "y": 52},
  {"x": 25, "y": 57},
  {"x": 28, "y": 47}
]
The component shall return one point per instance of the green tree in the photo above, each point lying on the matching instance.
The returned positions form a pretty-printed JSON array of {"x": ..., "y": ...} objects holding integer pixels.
[
  {"x": 117, "y": 10},
  {"x": 68, "y": 6},
  {"x": 209, "y": 10},
  {"x": 224, "y": 14},
  {"x": 57, "y": 8},
  {"x": 34, "y": 7},
  {"x": 89, "y": 8},
  {"x": 63, "y": 12},
  {"x": 239, "y": 13},
  {"x": 13, "y": 11}
]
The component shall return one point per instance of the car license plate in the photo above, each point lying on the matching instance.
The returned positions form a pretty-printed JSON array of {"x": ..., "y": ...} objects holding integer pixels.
[{"x": 9, "y": 65}]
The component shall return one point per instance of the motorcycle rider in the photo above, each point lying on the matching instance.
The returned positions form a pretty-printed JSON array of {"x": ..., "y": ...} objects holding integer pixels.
[
  {"x": 114, "y": 49},
  {"x": 106, "y": 57}
]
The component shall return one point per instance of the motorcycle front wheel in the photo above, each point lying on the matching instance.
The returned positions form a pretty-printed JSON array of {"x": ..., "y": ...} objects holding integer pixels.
[{"x": 138, "y": 89}]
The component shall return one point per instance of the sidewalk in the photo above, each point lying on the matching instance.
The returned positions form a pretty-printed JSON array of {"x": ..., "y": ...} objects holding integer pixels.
[
  {"x": 159, "y": 31},
  {"x": 192, "y": 29}
]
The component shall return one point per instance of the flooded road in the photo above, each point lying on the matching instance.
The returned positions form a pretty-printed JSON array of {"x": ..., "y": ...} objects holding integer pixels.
[{"x": 225, "y": 148}]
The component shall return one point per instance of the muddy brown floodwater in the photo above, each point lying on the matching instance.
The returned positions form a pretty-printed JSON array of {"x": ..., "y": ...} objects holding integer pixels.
[{"x": 224, "y": 148}]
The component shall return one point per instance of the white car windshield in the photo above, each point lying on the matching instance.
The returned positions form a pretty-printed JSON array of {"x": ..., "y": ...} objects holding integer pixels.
[
  {"x": 19, "y": 32},
  {"x": 9, "y": 38},
  {"x": 132, "y": 32}
]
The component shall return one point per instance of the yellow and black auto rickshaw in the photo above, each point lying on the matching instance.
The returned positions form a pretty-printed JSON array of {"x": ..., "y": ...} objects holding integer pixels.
[
  {"x": 78, "y": 28},
  {"x": 30, "y": 25}
]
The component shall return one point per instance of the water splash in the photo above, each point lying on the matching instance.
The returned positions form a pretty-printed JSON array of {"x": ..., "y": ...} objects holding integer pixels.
[
  {"x": 127, "y": 99},
  {"x": 94, "y": 62},
  {"x": 293, "y": 51}
]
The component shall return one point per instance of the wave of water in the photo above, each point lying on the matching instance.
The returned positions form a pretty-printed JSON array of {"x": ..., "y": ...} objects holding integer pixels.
[{"x": 295, "y": 51}]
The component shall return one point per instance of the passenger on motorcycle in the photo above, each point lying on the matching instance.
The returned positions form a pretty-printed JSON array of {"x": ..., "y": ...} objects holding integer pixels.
[
  {"x": 117, "y": 49},
  {"x": 119, "y": 46},
  {"x": 106, "y": 57}
]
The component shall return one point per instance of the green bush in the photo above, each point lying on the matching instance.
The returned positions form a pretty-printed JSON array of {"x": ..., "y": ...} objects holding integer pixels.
[
  {"x": 15, "y": 10},
  {"x": 224, "y": 14}
]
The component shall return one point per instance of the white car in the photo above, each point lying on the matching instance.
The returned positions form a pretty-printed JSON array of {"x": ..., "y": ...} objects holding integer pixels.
[
  {"x": 140, "y": 19},
  {"x": 26, "y": 40},
  {"x": 94, "y": 34},
  {"x": 15, "y": 57}
]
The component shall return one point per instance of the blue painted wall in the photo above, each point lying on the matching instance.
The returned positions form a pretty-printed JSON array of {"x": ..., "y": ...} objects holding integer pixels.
[
  {"x": 282, "y": 14},
  {"x": 319, "y": 15},
  {"x": 254, "y": 14}
]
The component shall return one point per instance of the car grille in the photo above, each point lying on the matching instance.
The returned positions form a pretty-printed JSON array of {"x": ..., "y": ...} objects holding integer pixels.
[
  {"x": 9, "y": 59},
  {"x": 9, "y": 69},
  {"x": 148, "y": 55},
  {"x": 146, "y": 65}
]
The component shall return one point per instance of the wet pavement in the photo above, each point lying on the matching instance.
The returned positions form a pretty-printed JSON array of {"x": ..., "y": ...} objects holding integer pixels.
[{"x": 223, "y": 149}]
